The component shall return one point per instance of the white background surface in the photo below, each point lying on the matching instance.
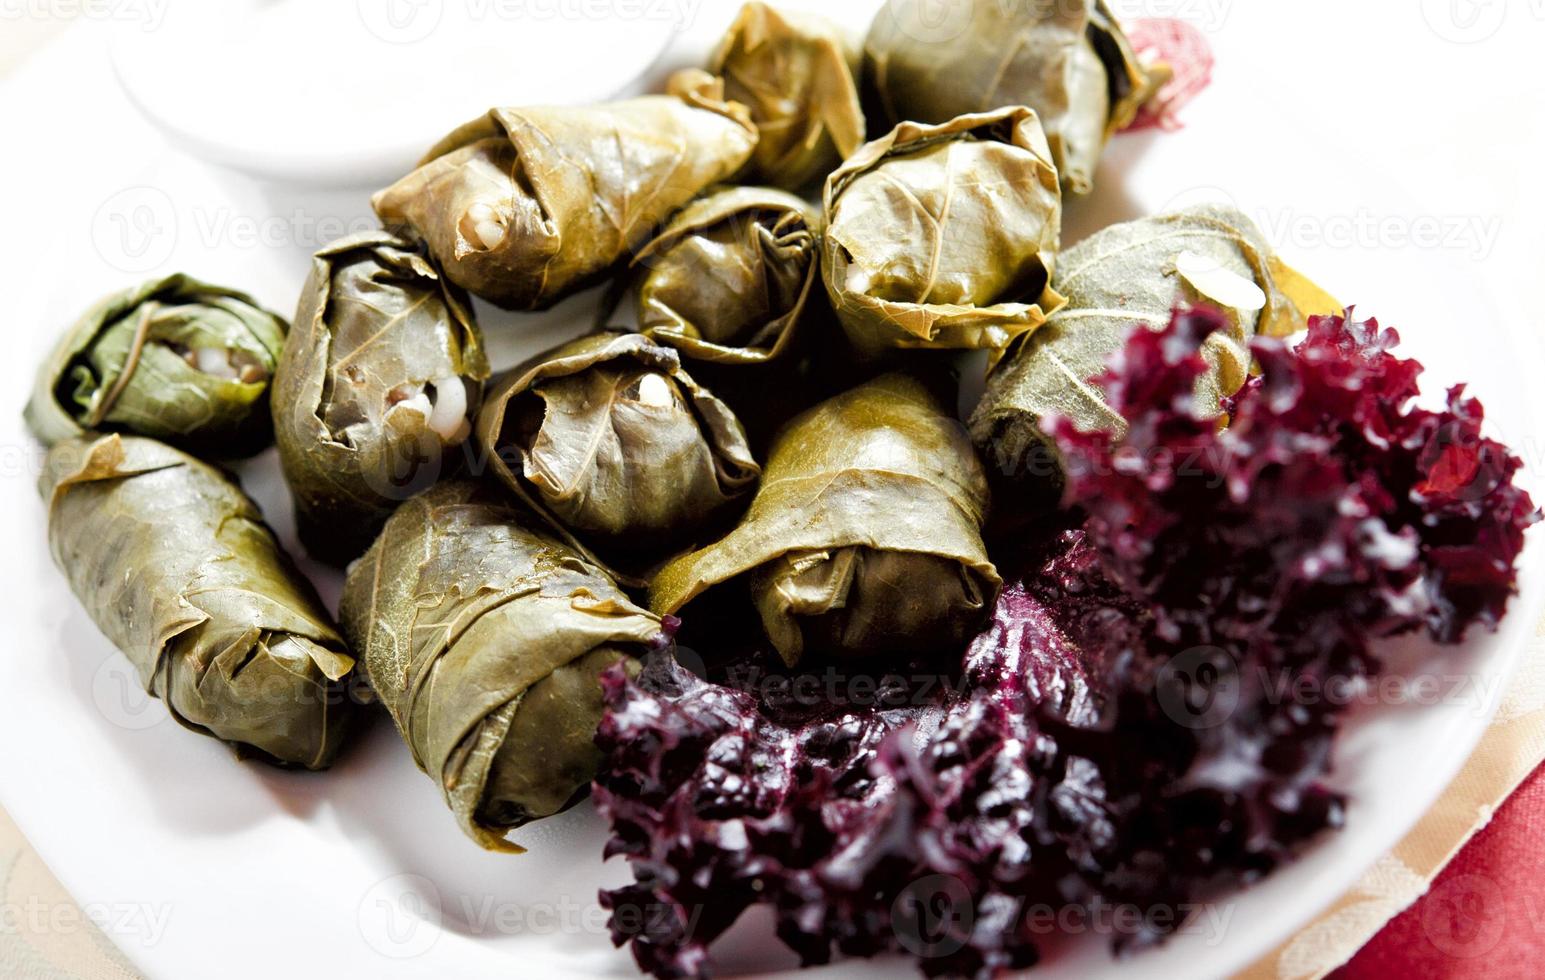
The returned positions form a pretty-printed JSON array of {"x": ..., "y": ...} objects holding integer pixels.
[{"x": 1392, "y": 150}]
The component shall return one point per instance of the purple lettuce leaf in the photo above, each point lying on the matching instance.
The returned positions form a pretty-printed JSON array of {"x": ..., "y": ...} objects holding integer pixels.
[{"x": 1119, "y": 734}]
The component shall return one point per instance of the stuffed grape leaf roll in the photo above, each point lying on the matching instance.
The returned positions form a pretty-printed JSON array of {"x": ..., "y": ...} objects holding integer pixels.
[
  {"x": 730, "y": 277},
  {"x": 485, "y": 641},
  {"x": 1069, "y": 60},
  {"x": 380, "y": 379},
  {"x": 865, "y": 537},
  {"x": 797, "y": 74},
  {"x": 176, "y": 567},
  {"x": 945, "y": 236},
  {"x": 1132, "y": 275},
  {"x": 616, "y": 446},
  {"x": 175, "y": 359},
  {"x": 524, "y": 207}
]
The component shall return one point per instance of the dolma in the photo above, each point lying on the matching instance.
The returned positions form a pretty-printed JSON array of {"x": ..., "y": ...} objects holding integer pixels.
[
  {"x": 797, "y": 74},
  {"x": 730, "y": 277},
  {"x": 615, "y": 445},
  {"x": 176, "y": 567},
  {"x": 945, "y": 236},
  {"x": 524, "y": 207},
  {"x": 1129, "y": 275},
  {"x": 1067, "y": 59},
  {"x": 379, "y": 381},
  {"x": 865, "y": 537},
  {"x": 485, "y": 640},
  {"x": 175, "y": 359}
]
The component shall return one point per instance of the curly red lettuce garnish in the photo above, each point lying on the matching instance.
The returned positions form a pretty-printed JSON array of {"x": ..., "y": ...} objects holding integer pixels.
[
  {"x": 1331, "y": 512},
  {"x": 1121, "y": 737},
  {"x": 860, "y": 828}
]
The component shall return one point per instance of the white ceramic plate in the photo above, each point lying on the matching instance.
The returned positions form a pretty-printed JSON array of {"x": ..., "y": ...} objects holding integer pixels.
[
  {"x": 192, "y": 859},
  {"x": 367, "y": 85}
]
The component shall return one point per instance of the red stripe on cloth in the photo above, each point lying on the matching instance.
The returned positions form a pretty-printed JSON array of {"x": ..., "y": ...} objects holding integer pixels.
[{"x": 1484, "y": 915}]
